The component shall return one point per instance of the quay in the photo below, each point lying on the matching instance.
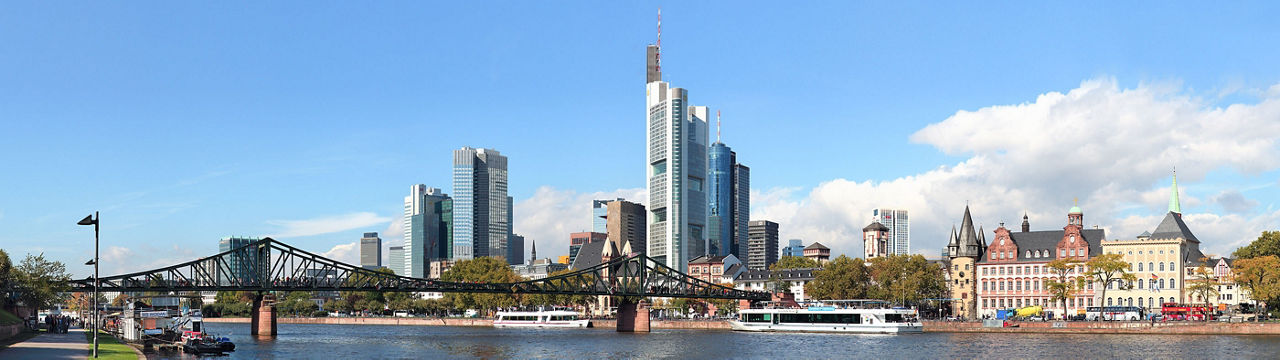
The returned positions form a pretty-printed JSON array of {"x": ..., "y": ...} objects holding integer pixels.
[{"x": 410, "y": 321}]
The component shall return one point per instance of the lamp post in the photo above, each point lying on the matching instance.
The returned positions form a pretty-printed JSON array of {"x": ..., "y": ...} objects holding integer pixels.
[{"x": 93, "y": 220}]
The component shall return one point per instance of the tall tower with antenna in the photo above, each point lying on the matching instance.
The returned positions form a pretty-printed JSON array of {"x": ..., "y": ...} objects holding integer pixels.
[{"x": 653, "y": 56}]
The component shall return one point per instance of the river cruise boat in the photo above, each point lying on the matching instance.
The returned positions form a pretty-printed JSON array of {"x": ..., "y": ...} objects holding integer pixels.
[
  {"x": 540, "y": 319},
  {"x": 841, "y": 316}
]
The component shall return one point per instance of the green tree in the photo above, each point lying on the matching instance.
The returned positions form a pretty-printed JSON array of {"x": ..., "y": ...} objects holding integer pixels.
[
  {"x": 482, "y": 270},
  {"x": 1106, "y": 269},
  {"x": 337, "y": 306},
  {"x": 1261, "y": 277},
  {"x": 1063, "y": 282},
  {"x": 1203, "y": 284},
  {"x": 1266, "y": 244},
  {"x": 842, "y": 278},
  {"x": 794, "y": 262},
  {"x": 905, "y": 279},
  {"x": 43, "y": 282}
]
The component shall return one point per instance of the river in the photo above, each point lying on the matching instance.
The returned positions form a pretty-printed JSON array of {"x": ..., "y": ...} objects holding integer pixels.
[{"x": 340, "y": 342}]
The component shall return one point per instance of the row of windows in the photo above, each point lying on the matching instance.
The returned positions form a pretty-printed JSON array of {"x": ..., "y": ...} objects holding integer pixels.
[
  {"x": 1029, "y": 285},
  {"x": 1020, "y": 302},
  {"x": 1022, "y": 269},
  {"x": 1153, "y": 284},
  {"x": 1152, "y": 266}
]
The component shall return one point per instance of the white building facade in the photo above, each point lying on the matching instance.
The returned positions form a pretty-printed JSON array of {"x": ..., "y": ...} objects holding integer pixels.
[{"x": 676, "y": 174}]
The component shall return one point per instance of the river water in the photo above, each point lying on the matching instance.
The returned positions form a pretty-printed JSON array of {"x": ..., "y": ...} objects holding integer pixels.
[{"x": 340, "y": 342}]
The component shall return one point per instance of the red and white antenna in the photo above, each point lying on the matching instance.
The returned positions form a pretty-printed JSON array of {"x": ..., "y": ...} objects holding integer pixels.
[
  {"x": 657, "y": 63},
  {"x": 717, "y": 125}
]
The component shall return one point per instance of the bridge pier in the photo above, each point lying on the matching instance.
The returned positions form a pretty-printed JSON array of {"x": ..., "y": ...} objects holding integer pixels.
[
  {"x": 263, "y": 316},
  {"x": 633, "y": 316}
]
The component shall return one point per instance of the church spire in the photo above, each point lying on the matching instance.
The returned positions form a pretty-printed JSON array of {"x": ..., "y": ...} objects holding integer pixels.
[{"x": 1174, "y": 205}]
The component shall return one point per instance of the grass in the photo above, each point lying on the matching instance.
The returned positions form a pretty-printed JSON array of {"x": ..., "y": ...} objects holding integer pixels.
[
  {"x": 7, "y": 318},
  {"x": 110, "y": 348}
]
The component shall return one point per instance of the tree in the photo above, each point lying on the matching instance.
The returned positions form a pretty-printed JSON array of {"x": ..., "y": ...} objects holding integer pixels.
[
  {"x": 904, "y": 279},
  {"x": 482, "y": 270},
  {"x": 842, "y": 278},
  {"x": 794, "y": 262},
  {"x": 1062, "y": 284},
  {"x": 43, "y": 282},
  {"x": 1108, "y": 268},
  {"x": 1203, "y": 284},
  {"x": 337, "y": 306},
  {"x": 1267, "y": 244},
  {"x": 120, "y": 300},
  {"x": 1261, "y": 276}
]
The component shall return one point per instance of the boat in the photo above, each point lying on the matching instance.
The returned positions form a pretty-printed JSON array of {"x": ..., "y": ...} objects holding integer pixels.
[
  {"x": 837, "y": 316},
  {"x": 540, "y": 319},
  {"x": 207, "y": 345}
]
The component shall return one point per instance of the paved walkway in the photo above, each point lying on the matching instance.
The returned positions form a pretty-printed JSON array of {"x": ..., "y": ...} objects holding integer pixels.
[{"x": 71, "y": 345}]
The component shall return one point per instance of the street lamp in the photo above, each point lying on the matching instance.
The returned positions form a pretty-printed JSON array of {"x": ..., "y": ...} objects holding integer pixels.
[{"x": 93, "y": 220}]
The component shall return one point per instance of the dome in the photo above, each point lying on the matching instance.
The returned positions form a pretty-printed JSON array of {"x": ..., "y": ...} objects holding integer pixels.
[{"x": 1074, "y": 210}]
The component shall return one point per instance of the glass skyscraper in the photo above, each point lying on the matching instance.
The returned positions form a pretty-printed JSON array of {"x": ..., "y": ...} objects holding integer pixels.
[
  {"x": 727, "y": 195},
  {"x": 240, "y": 263},
  {"x": 425, "y": 233},
  {"x": 481, "y": 224},
  {"x": 899, "y": 241},
  {"x": 676, "y": 169}
]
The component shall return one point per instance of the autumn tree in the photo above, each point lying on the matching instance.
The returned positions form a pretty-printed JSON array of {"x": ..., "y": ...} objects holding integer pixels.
[
  {"x": 1266, "y": 244},
  {"x": 1203, "y": 284},
  {"x": 1106, "y": 269},
  {"x": 842, "y": 278},
  {"x": 904, "y": 279},
  {"x": 1063, "y": 282},
  {"x": 1261, "y": 277}
]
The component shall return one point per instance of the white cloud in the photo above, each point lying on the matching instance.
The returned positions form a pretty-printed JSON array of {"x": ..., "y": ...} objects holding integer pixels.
[
  {"x": 1233, "y": 201},
  {"x": 347, "y": 253},
  {"x": 325, "y": 225},
  {"x": 1105, "y": 145},
  {"x": 392, "y": 236},
  {"x": 551, "y": 215},
  {"x": 118, "y": 260}
]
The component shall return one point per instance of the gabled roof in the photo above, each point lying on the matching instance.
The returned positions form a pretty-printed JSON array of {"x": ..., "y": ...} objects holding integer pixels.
[
  {"x": 875, "y": 225},
  {"x": 1171, "y": 228},
  {"x": 816, "y": 246},
  {"x": 707, "y": 259},
  {"x": 590, "y": 254},
  {"x": 1047, "y": 241}
]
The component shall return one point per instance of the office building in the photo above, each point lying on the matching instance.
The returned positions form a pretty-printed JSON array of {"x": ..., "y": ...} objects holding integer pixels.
[
  {"x": 626, "y": 226},
  {"x": 515, "y": 250},
  {"x": 599, "y": 215},
  {"x": 426, "y": 231},
  {"x": 371, "y": 251},
  {"x": 395, "y": 260},
  {"x": 578, "y": 239},
  {"x": 899, "y": 240},
  {"x": 795, "y": 247},
  {"x": 676, "y": 170},
  {"x": 762, "y": 244},
  {"x": 240, "y": 264},
  {"x": 728, "y": 196},
  {"x": 480, "y": 204}
]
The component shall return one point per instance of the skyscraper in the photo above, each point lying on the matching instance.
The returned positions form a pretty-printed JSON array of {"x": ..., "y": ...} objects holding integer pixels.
[
  {"x": 480, "y": 221},
  {"x": 371, "y": 251},
  {"x": 395, "y": 260},
  {"x": 240, "y": 263},
  {"x": 425, "y": 235},
  {"x": 899, "y": 240},
  {"x": 762, "y": 245},
  {"x": 626, "y": 225},
  {"x": 515, "y": 250},
  {"x": 728, "y": 198},
  {"x": 795, "y": 247},
  {"x": 676, "y": 170},
  {"x": 599, "y": 211}
]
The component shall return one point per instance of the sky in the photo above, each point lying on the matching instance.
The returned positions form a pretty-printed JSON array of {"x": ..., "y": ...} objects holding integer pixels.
[{"x": 183, "y": 123}]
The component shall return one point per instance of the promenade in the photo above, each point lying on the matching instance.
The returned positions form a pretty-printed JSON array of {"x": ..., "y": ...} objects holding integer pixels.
[
  {"x": 71, "y": 345},
  {"x": 1105, "y": 327},
  {"x": 410, "y": 321}
]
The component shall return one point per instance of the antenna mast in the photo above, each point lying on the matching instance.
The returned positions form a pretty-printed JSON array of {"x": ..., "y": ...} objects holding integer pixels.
[
  {"x": 717, "y": 125},
  {"x": 658, "y": 61}
]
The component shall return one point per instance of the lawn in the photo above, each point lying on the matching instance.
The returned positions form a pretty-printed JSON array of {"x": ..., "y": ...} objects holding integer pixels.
[{"x": 110, "y": 348}]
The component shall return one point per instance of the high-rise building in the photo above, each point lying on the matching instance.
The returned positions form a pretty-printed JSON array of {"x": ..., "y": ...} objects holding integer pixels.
[
  {"x": 578, "y": 239},
  {"x": 899, "y": 240},
  {"x": 762, "y": 244},
  {"x": 240, "y": 264},
  {"x": 626, "y": 227},
  {"x": 515, "y": 250},
  {"x": 599, "y": 212},
  {"x": 728, "y": 197},
  {"x": 795, "y": 247},
  {"x": 395, "y": 260},
  {"x": 371, "y": 251},
  {"x": 676, "y": 170},
  {"x": 425, "y": 232},
  {"x": 480, "y": 220}
]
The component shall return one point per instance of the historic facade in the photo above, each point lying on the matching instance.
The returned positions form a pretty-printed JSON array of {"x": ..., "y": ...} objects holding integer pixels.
[
  {"x": 1013, "y": 273},
  {"x": 875, "y": 240},
  {"x": 964, "y": 249}
]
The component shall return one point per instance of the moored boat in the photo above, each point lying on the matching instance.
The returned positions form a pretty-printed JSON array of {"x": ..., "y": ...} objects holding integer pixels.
[
  {"x": 540, "y": 319},
  {"x": 843, "y": 316}
]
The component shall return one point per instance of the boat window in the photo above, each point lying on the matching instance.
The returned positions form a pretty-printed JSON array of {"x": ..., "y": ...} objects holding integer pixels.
[
  {"x": 195, "y": 326},
  {"x": 820, "y": 318},
  {"x": 759, "y": 318},
  {"x": 899, "y": 318}
]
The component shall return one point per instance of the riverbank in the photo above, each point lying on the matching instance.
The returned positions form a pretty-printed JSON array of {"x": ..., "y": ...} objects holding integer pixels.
[
  {"x": 411, "y": 321},
  {"x": 1123, "y": 327}
]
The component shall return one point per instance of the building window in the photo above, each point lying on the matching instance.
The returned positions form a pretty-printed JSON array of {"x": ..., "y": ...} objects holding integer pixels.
[
  {"x": 966, "y": 266},
  {"x": 1073, "y": 252},
  {"x": 1151, "y": 266},
  {"x": 1228, "y": 296},
  {"x": 1090, "y": 302},
  {"x": 1109, "y": 302},
  {"x": 1161, "y": 300},
  {"x": 1139, "y": 266},
  {"x": 1161, "y": 266},
  {"x": 1062, "y": 253},
  {"x": 1028, "y": 253},
  {"x": 984, "y": 287},
  {"x": 1172, "y": 284},
  {"x": 1171, "y": 268},
  {"x": 1139, "y": 284}
]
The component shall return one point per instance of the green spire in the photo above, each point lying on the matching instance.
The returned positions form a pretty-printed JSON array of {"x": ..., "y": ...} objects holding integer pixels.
[{"x": 1174, "y": 206}]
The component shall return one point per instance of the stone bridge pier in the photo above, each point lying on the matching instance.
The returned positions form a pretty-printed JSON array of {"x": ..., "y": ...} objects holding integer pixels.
[
  {"x": 633, "y": 316},
  {"x": 263, "y": 316}
]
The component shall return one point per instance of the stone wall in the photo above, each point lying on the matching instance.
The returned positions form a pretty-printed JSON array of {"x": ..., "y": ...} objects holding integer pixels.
[
  {"x": 1106, "y": 327},
  {"x": 7, "y": 331},
  {"x": 599, "y": 323}
]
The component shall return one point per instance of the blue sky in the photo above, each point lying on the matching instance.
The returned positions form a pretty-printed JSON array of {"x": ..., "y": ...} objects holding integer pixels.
[{"x": 187, "y": 122}]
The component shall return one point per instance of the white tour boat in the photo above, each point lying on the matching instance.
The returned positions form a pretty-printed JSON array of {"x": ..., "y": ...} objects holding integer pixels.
[
  {"x": 540, "y": 319},
  {"x": 843, "y": 316}
]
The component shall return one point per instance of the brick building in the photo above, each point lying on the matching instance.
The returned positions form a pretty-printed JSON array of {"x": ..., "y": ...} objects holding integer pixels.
[{"x": 1012, "y": 272}]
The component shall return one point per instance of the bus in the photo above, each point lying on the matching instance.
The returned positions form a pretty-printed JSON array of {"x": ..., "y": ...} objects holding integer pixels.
[
  {"x": 1113, "y": 313},
  {"x": 1176, "y": 311}
]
